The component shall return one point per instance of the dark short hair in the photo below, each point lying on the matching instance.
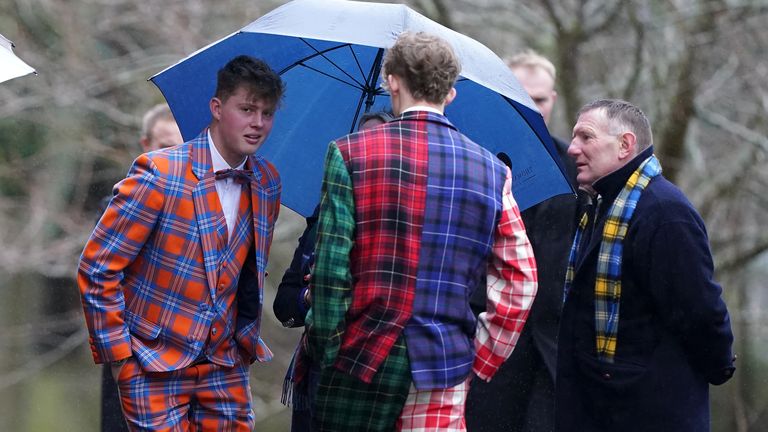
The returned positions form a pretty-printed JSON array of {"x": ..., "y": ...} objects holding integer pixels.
[
  {"x": 384, "y": 116},
  {"x": 254, "y": 75},
  {"x": 426, "y": 63},
  {"x": 626, "y": 115}
]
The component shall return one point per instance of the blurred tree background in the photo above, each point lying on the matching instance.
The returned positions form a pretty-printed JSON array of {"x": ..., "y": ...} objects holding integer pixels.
[{"x": 697, "y": 68}]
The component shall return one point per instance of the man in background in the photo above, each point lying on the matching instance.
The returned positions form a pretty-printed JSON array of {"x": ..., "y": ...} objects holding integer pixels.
[
  {"x": 521, "y": 396},
  {"x": 158, "y": 130}
]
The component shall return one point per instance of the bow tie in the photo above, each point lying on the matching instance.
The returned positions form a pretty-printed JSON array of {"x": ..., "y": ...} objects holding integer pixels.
[{"x": 238, "y": 175}]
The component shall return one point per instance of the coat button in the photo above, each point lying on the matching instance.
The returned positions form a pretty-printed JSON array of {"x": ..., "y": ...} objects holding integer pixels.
[
  {"x": 606, "y": 376},
  {"x": 213, "y": 330}
]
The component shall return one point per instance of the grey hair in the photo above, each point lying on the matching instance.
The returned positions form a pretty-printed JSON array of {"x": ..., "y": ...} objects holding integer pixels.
[{"x": 626, "y": 116}]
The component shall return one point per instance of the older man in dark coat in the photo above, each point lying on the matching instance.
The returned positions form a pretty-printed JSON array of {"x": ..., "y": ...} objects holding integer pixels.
[{"x": 644, "y": 329}]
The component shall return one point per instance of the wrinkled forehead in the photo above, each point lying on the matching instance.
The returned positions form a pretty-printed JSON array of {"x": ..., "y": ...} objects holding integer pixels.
[{"x": 596, "y": 118}]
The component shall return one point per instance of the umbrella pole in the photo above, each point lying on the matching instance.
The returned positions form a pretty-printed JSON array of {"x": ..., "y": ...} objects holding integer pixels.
[{"x": 371, "y": 89}]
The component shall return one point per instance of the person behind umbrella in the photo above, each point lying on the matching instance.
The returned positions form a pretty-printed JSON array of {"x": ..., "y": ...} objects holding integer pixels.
[
  {"x": 292, "y": 302},
  {"x": 413, "y": 214},
  {"x": 644, "y": 329},
  {"x": 171, "y": 277},
  {"x": 522, "y": 395},
  {"x": 292, "y": 298},
  {"x": 158, "y": 130}
]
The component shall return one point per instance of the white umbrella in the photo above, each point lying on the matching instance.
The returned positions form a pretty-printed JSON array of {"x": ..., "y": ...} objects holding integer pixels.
[{"x": 10, "y": 65}]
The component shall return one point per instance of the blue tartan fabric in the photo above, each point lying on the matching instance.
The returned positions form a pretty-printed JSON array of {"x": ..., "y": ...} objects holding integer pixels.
[
  {"x": 464, "y": 204},
  {"x": 608, "y": 280}
]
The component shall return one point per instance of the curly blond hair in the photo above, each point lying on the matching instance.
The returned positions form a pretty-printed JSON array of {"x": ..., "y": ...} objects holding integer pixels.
[{"x": 426, "y": 63}]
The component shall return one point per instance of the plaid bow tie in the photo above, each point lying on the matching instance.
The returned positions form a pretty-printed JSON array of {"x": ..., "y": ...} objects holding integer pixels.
[{"x": 238, "y": 175}]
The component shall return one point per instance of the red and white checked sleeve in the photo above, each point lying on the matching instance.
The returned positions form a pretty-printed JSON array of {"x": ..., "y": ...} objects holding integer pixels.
[{"x": 512, "y": 285}]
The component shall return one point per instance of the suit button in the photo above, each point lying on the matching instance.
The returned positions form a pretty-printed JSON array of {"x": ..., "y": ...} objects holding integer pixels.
[
  {"x": 213, "y": 330},
  {"x": 606, "y": 376}
]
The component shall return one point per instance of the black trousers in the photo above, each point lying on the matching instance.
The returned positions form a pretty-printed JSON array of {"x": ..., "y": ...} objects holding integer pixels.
[
  {"x": 519, "y": 398},
  {"x": 112, "y": 419}
]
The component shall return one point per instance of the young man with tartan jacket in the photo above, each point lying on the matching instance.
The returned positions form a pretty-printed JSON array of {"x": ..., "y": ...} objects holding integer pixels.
[
  {"x": 644, "y": 329},
  {"x": 171, "y": 279},
  {"x": 413, "y": 214}
]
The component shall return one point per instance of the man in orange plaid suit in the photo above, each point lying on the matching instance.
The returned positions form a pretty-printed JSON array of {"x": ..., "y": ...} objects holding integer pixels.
[{"x": 171, "y": 278}]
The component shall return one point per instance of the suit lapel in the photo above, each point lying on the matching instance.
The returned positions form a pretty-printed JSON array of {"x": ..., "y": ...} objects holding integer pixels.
[
  {"x": 259, "y": 219},
  {"x": 207, "y": 207}
]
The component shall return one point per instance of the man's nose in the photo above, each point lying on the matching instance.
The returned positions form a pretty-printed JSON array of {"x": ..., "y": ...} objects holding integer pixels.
[
  {"x": 573, "y": 148},
  {"x": 257, "y": 120}
]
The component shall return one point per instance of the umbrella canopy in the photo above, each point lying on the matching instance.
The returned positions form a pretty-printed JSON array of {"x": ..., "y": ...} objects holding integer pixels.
[
  {"x": 329, "y": 53},
  {"x": 10, "y": 65}
]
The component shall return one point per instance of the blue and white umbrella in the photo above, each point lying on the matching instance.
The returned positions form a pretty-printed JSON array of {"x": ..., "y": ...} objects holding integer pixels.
[
  {"x": 10, "y": 65},
  {"x": 329, "y": 53}
]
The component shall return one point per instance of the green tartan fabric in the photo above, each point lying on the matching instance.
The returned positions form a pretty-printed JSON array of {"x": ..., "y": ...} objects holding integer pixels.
[
  {"x": 331, "y": 287},
  {"x": 344, "y": 403}
]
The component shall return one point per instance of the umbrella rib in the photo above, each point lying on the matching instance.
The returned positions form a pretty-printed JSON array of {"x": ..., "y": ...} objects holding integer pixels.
[
  {"x": 357, "y": 61},
  {"x": 355, "y": 85},
  {"x": 322, "y": 54}
]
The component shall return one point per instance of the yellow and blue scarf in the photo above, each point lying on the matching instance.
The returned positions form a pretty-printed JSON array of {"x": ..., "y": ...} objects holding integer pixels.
[{"x": 608, "y": 279}]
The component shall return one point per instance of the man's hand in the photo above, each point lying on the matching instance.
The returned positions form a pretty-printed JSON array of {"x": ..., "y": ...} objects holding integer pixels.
[{"x": 116, "y": 366}]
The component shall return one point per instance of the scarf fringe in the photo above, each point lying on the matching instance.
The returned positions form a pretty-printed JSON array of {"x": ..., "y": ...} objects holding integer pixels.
[{"x": 294, "y": 394}]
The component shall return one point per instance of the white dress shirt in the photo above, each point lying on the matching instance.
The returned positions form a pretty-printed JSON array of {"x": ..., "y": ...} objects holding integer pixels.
[
  {"x": 423, "y": 108},
  {"x": 227, "y": 189}
]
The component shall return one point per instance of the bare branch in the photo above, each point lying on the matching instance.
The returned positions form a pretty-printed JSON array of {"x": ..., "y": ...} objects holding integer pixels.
[
  {"x": 740, "y": 257},
  {"x": 757, "y": 140},
  {"x": 637, "y": 59}
]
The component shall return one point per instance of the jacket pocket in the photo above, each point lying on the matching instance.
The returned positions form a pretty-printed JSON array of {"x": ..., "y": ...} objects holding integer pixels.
[
  {"x": 618, "y": 376},
  {"x": 142, "y": 327}
]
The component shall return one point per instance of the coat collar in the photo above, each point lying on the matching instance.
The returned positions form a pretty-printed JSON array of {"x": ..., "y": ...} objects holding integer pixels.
[
  {"x": 610, "y": 185},
  {"x": 425, "y": 116}
]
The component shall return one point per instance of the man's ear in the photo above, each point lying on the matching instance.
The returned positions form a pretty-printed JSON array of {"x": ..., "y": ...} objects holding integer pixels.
[
  {"x": 393, "y": 83},
  {"x": 451, "y": 96},
  {"x": 627, "y": 145},
  {"x": 215, "y": 106},
  {"x": 144, "y": 142}
]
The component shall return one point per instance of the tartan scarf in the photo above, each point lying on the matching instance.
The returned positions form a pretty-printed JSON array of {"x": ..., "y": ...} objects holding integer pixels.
[{"x": 608, "y": 278}]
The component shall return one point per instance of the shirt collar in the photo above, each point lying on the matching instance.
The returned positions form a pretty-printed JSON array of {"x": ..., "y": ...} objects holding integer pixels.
[
  {"x": 422, "y": 108},
  {"x": 217, "y": 160}
]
